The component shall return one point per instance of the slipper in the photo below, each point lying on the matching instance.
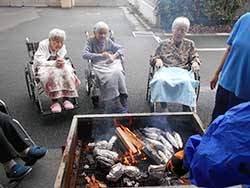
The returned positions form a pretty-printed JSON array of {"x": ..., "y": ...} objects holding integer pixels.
[
  {"x": 56, "y": 108},
  {"x": 68, "y": 105}
]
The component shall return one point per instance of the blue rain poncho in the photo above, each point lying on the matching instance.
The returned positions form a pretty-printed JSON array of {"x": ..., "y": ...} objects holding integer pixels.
[{"x": 221, "y": 157}]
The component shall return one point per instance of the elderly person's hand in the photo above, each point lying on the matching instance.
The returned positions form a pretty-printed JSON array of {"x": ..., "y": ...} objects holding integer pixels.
[
  {"x": 213, "y": 81},
  {"x": 195, "y": 67},
  {"x": 59, "y": 63},
  {"x": 106, "y": 55},
  {"x": 110, "y": 57},
  {"x": 158, "y": 63}
]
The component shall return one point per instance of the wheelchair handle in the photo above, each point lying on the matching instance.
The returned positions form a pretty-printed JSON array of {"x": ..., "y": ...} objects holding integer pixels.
[
  {"x": 27, "y": 39},
  {"x": 87, "y": 34}
]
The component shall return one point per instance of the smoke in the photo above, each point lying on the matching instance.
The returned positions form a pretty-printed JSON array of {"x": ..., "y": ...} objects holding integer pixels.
[{"x": 103, "y": 129}]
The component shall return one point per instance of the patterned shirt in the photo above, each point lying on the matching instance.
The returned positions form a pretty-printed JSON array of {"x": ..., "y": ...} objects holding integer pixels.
[{"x": 181, "y": 56}]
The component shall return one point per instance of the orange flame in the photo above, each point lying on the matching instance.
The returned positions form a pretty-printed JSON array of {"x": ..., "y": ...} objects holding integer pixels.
[
  {"x": 94, "y": 183},
  {"x": 130, "y": 158}
]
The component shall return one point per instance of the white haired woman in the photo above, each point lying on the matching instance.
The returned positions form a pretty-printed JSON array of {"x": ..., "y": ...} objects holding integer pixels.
[
  {"x": 106, "y": 56},
  {"x": 177, "y": 51},
  {"x": 54, "y": 72}
]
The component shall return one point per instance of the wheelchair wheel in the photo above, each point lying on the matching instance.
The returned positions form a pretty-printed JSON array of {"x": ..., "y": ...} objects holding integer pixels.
[
  {"x": 152, "y": 106},
  {"x": 95, "y": 101},
  {"x": 87, "y": 82},
  {"x": 39, "y": 105},
  {"x": 197, "y": 90},
  {"x": 148, "y": 87},
  {"x": 29, "y": 83},
  {"x": 148, "y": 92}
]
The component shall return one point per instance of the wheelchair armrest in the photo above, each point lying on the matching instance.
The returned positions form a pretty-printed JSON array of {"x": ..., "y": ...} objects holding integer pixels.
[
  {"x": 70, "y": 60},
  {"x": 87, "y": 34},
  {"x": 197, "y": 75},
  {"x": 151, "y": 61},
  {"x": 3, "y": 107}
]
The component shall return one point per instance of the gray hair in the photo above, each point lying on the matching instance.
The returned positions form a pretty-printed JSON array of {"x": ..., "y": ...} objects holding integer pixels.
[
  {"x": 181, "y": 21},
  {"x": 100, "y": 25},
  {"x": 57, "y": 34}
]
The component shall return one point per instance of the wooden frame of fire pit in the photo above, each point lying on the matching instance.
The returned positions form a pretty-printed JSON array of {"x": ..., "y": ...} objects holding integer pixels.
[{"x": 66, "y": 174}]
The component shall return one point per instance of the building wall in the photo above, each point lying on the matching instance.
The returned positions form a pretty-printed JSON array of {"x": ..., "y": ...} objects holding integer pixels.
[
  {"x": 59, "y": 2},
  {"x": 100, "y": 2}
]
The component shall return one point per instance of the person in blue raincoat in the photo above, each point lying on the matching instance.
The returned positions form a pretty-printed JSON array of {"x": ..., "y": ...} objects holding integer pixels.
[{"x": 221, "y": 157}]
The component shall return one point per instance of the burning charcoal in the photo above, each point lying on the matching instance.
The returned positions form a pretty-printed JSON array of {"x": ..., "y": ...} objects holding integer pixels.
[
  {"x": 86, "y": 166},
  {"x": 94, "y": 183},
  {"x": 83, "y": 174},
  {"x": 136, "y": 184},
  {"x": 116, "y": 172},
  {"x": 164, "y": 157},
  {"x": 106, "y": 153},
  {"x": 104, "y": 165},
  {"x": 166, "y": 144},
  {"x": 132, "y": 171},
  {"x": 178, "y": 139},
  {"x": 153, "y": 136},
  {"x": 172, "y": 140},
  {"x": 152, "y": 154},
  {"x": 91, "y": 145},
  {"x": 111, "y": 142},
  {"x": 106, "y": 160},
  {"x": 157, "y": 170},
  {"x": 155, "y": 143},
  {"x": 153, "y": 130},
  {"x": 158, "y": 146},
  {"x": 128, "y": 183},
  {"x": 103, "y": 144},
  {"x": 90, "y": 159}
]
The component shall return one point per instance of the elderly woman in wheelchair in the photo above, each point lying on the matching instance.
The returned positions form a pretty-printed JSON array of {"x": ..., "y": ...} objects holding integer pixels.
[
  {"x": 106, "y": 60},
  {"x": 172, "y": 83},
  {"x": 55, "y": 73}
]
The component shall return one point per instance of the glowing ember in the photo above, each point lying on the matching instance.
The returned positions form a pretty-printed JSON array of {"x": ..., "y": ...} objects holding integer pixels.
[{"x": 94, "y": 183}]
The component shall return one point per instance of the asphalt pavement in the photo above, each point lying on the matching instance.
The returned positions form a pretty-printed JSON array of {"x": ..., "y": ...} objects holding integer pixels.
[{"x": 51, "y": 131}]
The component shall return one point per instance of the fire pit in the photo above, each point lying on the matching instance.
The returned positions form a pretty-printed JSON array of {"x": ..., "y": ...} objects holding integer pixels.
[{"x": 124, "y": 150}]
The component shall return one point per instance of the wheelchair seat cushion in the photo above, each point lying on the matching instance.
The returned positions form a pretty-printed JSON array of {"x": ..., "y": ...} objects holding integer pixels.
[{"x": 174, "y": 85}]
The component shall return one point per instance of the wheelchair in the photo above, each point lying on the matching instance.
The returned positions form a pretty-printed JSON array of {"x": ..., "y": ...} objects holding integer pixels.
[
  {"x": 4, "y": 109},
  {"x": 27, "y": 138},
  {"x": 34, "y": 87},
  {"x": 91, "y": 85},
  {"x": 152, "y": 70}
]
